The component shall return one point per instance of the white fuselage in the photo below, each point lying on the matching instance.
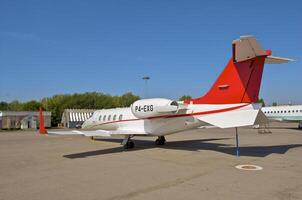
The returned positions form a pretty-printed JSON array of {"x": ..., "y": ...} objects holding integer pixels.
[
  {"x": 284, "y": 113},
  {"x": 123, "y": 119}
]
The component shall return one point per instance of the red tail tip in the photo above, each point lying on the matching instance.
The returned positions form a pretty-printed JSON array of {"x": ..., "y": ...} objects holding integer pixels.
[{"x": 269, "y": 52}]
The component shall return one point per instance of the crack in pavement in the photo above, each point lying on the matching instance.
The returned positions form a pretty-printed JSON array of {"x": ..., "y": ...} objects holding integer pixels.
[{"x": 156, "y": 187}]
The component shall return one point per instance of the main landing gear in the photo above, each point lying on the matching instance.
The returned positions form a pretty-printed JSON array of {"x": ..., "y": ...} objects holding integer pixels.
[
  {"x": 161, "y": 140},
  {"x": 128, "y": 143}
]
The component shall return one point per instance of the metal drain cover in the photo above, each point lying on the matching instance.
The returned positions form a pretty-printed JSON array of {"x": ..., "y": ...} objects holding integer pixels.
[{"x": 249, "y": 167}]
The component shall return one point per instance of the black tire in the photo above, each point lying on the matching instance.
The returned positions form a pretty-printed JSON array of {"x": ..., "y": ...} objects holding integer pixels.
[
  {"x": 160, "y": 141},
  {"x": 163, "y": 139},
  {"x": 129, "y": 145}
]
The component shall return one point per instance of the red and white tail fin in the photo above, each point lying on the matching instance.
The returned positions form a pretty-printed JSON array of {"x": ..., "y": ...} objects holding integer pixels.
[{"x": 241, "y": 79}]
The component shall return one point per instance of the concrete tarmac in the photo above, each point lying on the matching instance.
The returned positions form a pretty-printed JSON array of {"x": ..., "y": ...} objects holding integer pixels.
[{"x": 196, "y": 164}]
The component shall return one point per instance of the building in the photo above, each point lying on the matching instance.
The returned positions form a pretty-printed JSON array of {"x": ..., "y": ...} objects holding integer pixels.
[
  {"x": 23, "y": 119},
  {"x": 74, "y": 118}
]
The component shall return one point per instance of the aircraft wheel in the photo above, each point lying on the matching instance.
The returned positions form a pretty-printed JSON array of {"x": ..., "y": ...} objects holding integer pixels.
[
  {"x": 160, "y": 140},
  {"x": 129, "y": 145}
]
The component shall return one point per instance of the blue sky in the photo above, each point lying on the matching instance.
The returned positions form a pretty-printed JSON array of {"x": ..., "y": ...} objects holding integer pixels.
[{"x": 52, "y": 47}]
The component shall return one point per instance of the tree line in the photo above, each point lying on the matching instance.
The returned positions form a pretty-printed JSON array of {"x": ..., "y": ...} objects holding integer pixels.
[{"x": 57, "y": 103}]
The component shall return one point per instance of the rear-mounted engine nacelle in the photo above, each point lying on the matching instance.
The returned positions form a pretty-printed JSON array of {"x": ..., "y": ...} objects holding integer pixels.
[{"x": 146, "y": 108}]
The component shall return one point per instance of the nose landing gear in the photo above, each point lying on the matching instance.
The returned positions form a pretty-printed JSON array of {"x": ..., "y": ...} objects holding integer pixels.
[{"x": 128, "y": 143}]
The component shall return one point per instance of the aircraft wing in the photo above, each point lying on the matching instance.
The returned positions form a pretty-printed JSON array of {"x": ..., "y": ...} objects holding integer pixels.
[{"x": 101, "y": 133}]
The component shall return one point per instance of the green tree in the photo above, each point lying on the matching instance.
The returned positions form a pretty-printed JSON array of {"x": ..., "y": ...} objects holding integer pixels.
[
  {"x": 262, "y": 102},
  {"x": 4, "y": 106},
  {"x": 185, "y": 97},
  {"x": 31, "y": 106},
  {"x": 15, "y": 106},
  {"x": 127, "y": 99},
  {"x": 57, "y": 103}
]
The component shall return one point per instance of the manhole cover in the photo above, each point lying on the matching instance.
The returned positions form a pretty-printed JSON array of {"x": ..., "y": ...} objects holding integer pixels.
[{"x": 249, "y": 167}]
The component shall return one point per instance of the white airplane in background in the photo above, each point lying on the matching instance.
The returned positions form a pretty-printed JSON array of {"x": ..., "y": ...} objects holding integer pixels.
[
  {"x": 231, "y": 102},
  {"x": 289, "y": 113}
]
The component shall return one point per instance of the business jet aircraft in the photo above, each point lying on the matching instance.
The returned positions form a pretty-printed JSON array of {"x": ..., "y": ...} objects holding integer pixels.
[
  {"x": 290, "y": 113},
  {"x": 231, "y": 102}
]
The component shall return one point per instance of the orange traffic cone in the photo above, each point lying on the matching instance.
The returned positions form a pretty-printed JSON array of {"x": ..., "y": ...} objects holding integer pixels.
[{"x": 42, "y": 129}]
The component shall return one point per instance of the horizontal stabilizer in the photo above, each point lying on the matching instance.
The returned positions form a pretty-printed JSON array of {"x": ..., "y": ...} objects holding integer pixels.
[
  {"x": 235, "y": 118},
  {"x": 276, "y": 60}
]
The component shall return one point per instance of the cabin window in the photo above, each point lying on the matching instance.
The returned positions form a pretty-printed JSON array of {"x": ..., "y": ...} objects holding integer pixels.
[
  {"x": 285, "y": 111},
  {"x": 274, "y": 111},
  {"x": 300, "y": 110},
  {"x": 281, "y": 111},
  {"x": 289, "y": 111},
  {"x": 100, "y": 117},
  {"x": 104, "y": 118},
  {"x": 297, "y": 110},
  {"x": 120, "y": 117},
  {"x": 114, "y": 117},
  {"x": 109, "y": 117},
  {"x": 278, "y": 112}
]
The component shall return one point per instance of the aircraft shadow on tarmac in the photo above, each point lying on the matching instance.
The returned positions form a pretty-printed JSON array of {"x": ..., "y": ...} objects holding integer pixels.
[{"x": 192, "y": 145}]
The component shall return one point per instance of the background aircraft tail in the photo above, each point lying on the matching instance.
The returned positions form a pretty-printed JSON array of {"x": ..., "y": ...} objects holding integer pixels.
[{"x": 241, "y": 79}]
